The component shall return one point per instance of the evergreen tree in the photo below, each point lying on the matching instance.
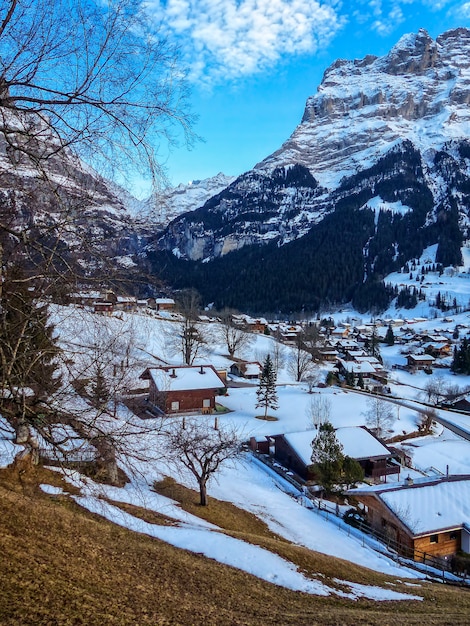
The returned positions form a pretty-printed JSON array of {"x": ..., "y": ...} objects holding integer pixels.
[
  {"x": 266, "y": 393},
  {"x": 28, "y": 352},
  {"x": 327, "y": 457},
  {"x": 461, "y": 360},
  {"x": 389, "y": 336},
  {"x": 352, "y": 472}
]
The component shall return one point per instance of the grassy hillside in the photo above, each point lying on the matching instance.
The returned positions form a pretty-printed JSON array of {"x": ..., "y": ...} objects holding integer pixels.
[{"x": 62, "y": 565}]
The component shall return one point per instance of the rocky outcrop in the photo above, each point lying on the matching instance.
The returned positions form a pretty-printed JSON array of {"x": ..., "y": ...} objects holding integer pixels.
[{"x": 417, "y": 95}]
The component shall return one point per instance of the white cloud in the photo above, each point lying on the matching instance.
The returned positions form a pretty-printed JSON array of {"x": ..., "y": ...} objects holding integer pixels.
[
  {"x": 463, "y": 11},
  {"x": 384, "y": 16},
  {"x": 231, "y": 39}
]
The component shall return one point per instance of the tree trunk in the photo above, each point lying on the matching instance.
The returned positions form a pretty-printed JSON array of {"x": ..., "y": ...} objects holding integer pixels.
[
  {"x": 107, "y": 460},
  {"x": 202, "y": 493}
]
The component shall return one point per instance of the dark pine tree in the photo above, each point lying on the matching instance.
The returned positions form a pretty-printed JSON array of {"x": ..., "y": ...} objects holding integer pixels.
[{"x": 266, "y": 393}]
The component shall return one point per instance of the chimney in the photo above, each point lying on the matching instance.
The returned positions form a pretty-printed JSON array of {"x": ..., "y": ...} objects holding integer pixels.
[
  {"x": 201, "y": 371},
  {"x": 173, "y": 373},
  {"x": 408, "y": 481}
]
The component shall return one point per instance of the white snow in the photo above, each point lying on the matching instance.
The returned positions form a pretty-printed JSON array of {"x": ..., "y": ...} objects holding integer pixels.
[
  {"x": 183, "y": 378},
  {"x": 428, "y": 508},
  {"x": 250, "y": 485}
]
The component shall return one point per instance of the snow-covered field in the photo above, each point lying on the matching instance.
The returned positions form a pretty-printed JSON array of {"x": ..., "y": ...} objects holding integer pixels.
[{"x": 245, "y": 482}]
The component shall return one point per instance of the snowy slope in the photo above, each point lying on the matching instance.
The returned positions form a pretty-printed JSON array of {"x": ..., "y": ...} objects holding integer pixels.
[{"x": 166, "y": 205}]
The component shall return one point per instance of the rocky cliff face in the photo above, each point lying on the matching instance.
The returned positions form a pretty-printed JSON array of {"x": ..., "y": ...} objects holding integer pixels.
[
  {"x": 414, "y": 100},
  {"x": 46, "y": 192}
]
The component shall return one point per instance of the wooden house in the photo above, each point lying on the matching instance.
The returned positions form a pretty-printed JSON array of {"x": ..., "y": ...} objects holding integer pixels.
[
  {"x": 102, "y": 306},
  {"x": 164, "y": 304},
  {"x": 426, "y": 517},
  {"x": 246, "y": 369},
  {"x": 294, "y": 451},
  {"x": 420, "y": 361},
  {"x": 126, "y": 303},
  {"x": 184, "y": 388}
]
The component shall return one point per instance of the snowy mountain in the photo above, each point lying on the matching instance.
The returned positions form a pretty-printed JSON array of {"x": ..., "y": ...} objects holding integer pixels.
[
  {"x": 166, "y": 205},
  {"x": 420, "y": 91},
  {"x": 58, "y": 201},
  {"x": 47, "y": 191},
  {"x": 382, "y": 146}
]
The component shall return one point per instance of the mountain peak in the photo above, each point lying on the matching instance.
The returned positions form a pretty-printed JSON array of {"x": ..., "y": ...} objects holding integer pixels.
[
  {"x": 414, "y": 53},
  {"x": 420, "y": 90}
]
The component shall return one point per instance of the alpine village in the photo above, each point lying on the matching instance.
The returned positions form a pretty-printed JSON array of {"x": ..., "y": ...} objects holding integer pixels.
[{"x": 245, "y": 400}]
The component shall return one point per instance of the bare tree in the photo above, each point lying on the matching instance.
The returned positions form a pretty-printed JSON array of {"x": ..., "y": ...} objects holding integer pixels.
[
  {"x": 312, "y": 378},
  {"x": 300, "y": 362},
  {"x": 435, "y": 389},
  {"x": 201, "y": 450},
  {"x": 77, "y": 80},
  {"x": 427, "y": 418},
  {"x": 190, "y": 338},
  {"x": 278, "y": 352},
  {"x": 93, "y": 76},
  {"x": 319, "y": 410},
  {"x": 235, "y": 337},
  {"x": 312, "y": 340},
  {"x": 379, "y": 415}
]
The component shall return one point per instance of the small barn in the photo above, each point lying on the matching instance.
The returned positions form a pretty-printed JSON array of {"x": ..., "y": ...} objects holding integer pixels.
[{"x": 246, "y": 369}]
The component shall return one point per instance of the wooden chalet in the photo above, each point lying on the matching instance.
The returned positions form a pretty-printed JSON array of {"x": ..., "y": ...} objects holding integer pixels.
[
  {"x": 294, "y": 451},
  {"x": 184, "y": 388},
  {"x": 246, "y": 369},
  {"x": 164, "y": 304},
  {"x": 103, "y": 306},
  {"x": 426, "y": 517},
  {"x": 420, "y": 362}
]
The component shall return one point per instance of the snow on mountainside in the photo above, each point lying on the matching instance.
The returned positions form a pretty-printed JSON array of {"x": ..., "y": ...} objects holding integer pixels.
[
  {"x": 419, "y": 91},
  {"x": 413, "y": 101},
  {"x": 48, "y": 192},
  {"x": 170, "y": 203},
  {"x": 57, "y": 187},
  {"x": 377, "y": 170}
]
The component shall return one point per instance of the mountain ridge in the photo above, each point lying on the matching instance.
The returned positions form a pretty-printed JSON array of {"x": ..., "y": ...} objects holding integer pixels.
[{"x": 391, "y": 131}]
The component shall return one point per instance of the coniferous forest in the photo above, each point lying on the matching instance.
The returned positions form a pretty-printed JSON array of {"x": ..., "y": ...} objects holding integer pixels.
[{"x": 343, "y": 258}]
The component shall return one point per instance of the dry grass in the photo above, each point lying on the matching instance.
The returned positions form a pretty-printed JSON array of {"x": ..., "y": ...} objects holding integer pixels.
[{"x": 63, "y": 566}]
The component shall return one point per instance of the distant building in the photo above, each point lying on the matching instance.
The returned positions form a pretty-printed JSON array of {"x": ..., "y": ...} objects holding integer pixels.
[{"x": 294, "y": 451}]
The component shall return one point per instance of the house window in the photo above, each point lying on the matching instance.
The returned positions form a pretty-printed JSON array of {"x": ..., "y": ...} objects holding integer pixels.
[
  {"x": 206, "y": 403},
  {"x": 175, "y": 405},
  {"x": 453, "y": 536},
  {"x": 434, "y": 539}
]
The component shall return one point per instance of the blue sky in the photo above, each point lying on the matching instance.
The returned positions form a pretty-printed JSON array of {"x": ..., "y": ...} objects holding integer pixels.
[{"x": 253, "y": 63}]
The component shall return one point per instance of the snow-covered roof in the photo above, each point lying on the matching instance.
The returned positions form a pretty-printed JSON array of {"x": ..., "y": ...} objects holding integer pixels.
[
  {"x": 186, "y": 378},
  {"x": 358, "y": 443},
  {"x": 431, "y": 506},
  {"x": 422, "y": 358},
  {"x": 358, "y": 368},
  {"x": 252, "y": 369}
]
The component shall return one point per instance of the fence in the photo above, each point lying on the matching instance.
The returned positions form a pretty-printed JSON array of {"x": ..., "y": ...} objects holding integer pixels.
[{"x": 435, "y": 568}]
